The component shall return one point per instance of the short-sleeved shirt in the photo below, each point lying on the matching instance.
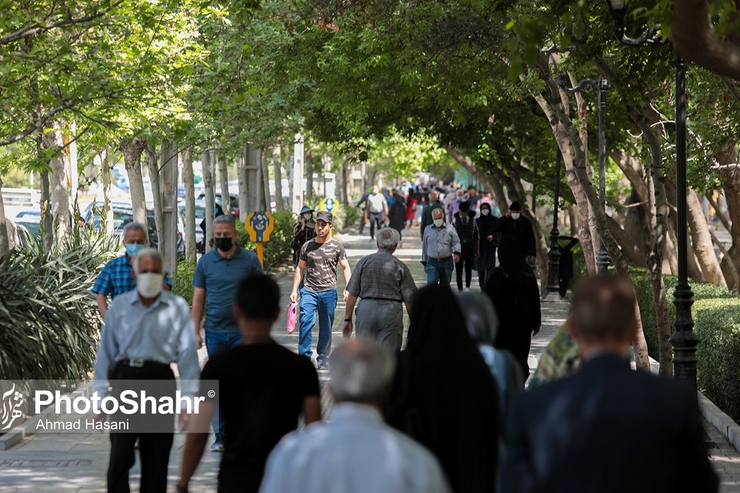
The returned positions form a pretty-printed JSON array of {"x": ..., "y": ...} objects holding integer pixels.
[
  {"x": 220, "y": 277},
  {"x": 117, "y": 277},
  {"x": 321, "y": 264},
  {"x": 382, "y": 276},
  {"x": 262, "y": 388}
]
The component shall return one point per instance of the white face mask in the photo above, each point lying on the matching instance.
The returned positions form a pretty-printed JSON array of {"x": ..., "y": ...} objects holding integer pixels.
[
  {"x": 515, "y": 215},
  {"x": 485, "y": 212},
  {"x": 149, "y": 285},
  {"x": 307, "y": 216},
  {"x": 438, "y": 223}
]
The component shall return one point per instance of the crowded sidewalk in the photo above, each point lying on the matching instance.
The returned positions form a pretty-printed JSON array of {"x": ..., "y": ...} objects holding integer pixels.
[{"x": 77, "y": 462}]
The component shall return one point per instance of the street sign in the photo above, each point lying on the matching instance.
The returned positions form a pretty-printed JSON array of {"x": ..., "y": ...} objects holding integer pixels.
[
  {"x": 259, "y": 225},
  {"x": 329, "y": 205}
]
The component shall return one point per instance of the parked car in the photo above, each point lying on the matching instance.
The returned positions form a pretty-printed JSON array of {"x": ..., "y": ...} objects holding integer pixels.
[
  {"x": 234, "y": 202},
  {"x": 31, "y": 221},
  {"x": 200, "y": 214},
  {"x": 124, "y": 214}
]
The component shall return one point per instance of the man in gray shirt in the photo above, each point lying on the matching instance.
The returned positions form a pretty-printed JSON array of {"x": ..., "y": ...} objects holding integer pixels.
[
  {"x": 439, "y": 246},
  {"x": 383, "y": 283}
]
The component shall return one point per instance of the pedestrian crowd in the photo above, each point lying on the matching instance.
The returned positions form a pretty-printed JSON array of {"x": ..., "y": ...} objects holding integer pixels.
[{"x": 446, "y": 413}]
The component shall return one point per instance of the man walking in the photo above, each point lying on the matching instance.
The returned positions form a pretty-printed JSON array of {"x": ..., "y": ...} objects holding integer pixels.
[
  {"x": 355, "y": 451},
  {"x": 318, "y": 260},
  {"x": 426, "y": 214},
  {"x": 259, "y": 380},
  {"x": 383, "y": 283},
  {"x": 439, "y": 245},
  {"x": 467, "y": 231},
  {"x": 377, "y": 211},
  {"x": 145, "y": 330},
  {"x": 117, "y": 276},
  {"x": 217, "y": 276},
  {"x": 518, "y": 226},
  {"x": 607, "y": 428}
]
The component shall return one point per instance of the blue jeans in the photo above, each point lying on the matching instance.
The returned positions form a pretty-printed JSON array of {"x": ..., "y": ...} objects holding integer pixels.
[
  {"x": 439, "y": 272},
  {"x": 325, "y": 303},
  {"x": 218, "y": 342}
]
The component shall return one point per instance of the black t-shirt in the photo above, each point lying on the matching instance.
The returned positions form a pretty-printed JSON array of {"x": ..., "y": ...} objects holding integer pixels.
[{"x": 261, "y": 389}]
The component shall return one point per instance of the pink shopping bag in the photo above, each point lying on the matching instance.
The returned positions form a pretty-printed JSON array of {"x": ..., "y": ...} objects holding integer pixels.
[{"x": 292, "y": 316}]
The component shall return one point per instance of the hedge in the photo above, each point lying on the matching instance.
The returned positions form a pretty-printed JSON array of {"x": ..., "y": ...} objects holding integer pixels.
[{"x": 716, "y": 314}]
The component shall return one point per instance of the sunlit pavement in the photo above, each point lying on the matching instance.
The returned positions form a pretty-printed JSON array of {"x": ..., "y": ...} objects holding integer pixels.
[{"x": 78, "y": 462}]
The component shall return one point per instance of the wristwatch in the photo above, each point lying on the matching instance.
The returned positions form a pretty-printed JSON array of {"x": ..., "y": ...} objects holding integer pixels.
[{"x": 347, "y": 319}]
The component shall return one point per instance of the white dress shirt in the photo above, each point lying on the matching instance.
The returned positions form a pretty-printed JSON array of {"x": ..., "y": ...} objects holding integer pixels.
[{"x": 356, "y": 452}]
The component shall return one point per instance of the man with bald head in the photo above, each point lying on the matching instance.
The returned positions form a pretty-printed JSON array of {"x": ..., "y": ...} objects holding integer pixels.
[
  {"x": 440, "y": 247},
  {"x": 607, "y": 428},
  {"x": 355, "y": 451}
]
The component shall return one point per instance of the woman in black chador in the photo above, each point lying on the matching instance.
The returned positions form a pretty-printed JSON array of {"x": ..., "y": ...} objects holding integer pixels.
[
  {"x": 443, "y": 394},
  {"x": 513, "y": 289}
]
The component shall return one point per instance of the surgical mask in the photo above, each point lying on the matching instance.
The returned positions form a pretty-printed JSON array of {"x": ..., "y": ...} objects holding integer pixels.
[
  {"x": 515, "y": 215},
  {"x": 307, "y": 216},
  {"x": 485, "y": 212},
  {"x": 133, "y": 248},
  {"x": 224, "y": 244},
  {"x": 438, "y": 223},
  {"x": 149, "y": 285}
]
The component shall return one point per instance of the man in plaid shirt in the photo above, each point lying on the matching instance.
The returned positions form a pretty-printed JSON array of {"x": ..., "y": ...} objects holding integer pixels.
[{"x": 117, "y": 276}]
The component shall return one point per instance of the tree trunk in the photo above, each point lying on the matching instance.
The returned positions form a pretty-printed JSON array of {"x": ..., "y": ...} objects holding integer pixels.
[
  {"x": 671, "y": 250},
  {"x": 703, "y": 241},
  {"x": 278, "y": 178},
  {"x": 733, "y": 269},
  {"x": 168, "y": 201},
  {"x": 47, "y": 221},
  {"x": 4, "y": 236},
  {"x": 344, "y": 197},
  {"x": 132, "y": 150},
  {"x": 470, "y": 166},
  {"x": 241, "y": 173},
  {"x": 106, "y": 215},
  {"x": 498, "y": 193},
  {"x": 631, "y": 249},
  {"x": 729, "y": 173},
  {"x": 309, "y": 175},
  {"x": 188, "y": 180},
  {"x": 265, "y": 182},
  {"x": 205, "y": 158},
  {"x": 223, "y": 180},
  {"x": 152, "y": 164},
  {"x": 60, "y": 211},
  {"x": 573, "y": 220}
]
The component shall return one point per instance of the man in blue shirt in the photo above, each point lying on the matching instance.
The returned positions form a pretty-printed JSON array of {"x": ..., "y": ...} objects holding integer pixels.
[
  {"x": 145, "y": 330},
  {"x": 440, "y": 247},
  {"x": 117, "y": 277},
  {"x": 216, "y": 280}
]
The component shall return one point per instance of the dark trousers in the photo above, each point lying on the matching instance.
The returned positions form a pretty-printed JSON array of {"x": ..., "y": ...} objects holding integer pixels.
[
  {"x": 467, "y": 265},
  {"x": 376, "y": 222},
  {"x": 154, "y": 448}
]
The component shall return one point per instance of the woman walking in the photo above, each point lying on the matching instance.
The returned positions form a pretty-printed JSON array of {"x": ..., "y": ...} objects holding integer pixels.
[{"x": 486, "y": 261}]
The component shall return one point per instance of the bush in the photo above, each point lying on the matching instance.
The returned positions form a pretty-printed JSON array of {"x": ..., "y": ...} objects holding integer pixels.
[
  {"x": 277, "y": 249},
  {"x": 351, "y": 215},
  {"x": 49, "y": 320},
  {"x": 716, "y": 314},
  {"x": 182, "y": 281}
]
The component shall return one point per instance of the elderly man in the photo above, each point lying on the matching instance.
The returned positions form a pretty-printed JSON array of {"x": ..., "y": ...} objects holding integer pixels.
[
  {"x": 145, "y": 330},
  {"x": 355, "y": 452},
  {"x": 117, "y": 276},
  {"x": 216, "y": 279},
  {"x": 440, "y": 245},
  {"x": 607, "y": 428},
  {"x": 383, "y": 283},
  {"x": 426, "y": 213},
  {"x": 319, "y": 259}
]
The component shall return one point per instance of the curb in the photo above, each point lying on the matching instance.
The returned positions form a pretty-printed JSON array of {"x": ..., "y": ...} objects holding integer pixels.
[
  {"x": 28, "y": 428},
  {"x": 720, "y": 420}
]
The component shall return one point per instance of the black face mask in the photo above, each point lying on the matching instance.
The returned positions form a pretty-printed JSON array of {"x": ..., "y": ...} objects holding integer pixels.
[{"x": 224, "y": 244}]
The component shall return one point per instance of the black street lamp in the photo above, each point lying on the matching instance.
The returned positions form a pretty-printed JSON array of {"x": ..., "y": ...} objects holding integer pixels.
[
  {"x": 684, "y": 340},
  {"x": 602, "y": 86},
  {"x": 552, "y": 290}
]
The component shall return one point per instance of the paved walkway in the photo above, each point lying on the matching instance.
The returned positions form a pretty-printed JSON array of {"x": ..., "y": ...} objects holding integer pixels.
[{"x": 78, "y": 462}]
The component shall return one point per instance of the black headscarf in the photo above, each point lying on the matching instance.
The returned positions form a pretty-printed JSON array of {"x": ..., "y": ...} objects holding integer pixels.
[
  {"x": 487, "y": 223},
  {"x": 510, "y": 258},
  {"x": 444, "y": 395}
]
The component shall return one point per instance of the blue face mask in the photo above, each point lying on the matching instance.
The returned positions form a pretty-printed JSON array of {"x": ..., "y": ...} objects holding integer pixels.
[{"x": 133, "y": 248}]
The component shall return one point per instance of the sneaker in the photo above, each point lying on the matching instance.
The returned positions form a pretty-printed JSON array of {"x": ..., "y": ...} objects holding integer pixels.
[
  {"x": 323, "y": 365},
  {"x": 217, "y": 447}
]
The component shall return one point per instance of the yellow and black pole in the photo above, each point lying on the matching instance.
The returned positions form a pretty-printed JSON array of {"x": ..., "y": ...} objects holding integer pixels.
[{"x": 259, "y": 225}]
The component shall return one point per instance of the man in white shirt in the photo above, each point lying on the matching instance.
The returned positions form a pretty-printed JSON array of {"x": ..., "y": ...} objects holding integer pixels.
[
  {"x": 376, "y": 211},
  {"x": 356, "y": 451}
]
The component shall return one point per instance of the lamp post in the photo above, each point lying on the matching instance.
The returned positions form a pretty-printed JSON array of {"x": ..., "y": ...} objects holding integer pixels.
[
  {"x": 684, "y": 340},
  {"x": 552, "y": 290},
  {"x": 601, "y": 86}
]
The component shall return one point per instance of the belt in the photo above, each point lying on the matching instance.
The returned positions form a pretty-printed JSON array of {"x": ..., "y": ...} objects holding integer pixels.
[
  {"x": 443, "y": 259},
  {"x": 382, "y": 299},
  {"x": 141, "y": 363}
]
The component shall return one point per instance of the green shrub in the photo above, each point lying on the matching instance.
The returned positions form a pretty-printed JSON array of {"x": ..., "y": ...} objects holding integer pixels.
[
  {"x": 182, "y": 281},
  {"x": 49, "y": 320},
  {"x": 351, "y": 215},
  {"x": 716, "y": 314},
  {"x": 277, "y": 249}
]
